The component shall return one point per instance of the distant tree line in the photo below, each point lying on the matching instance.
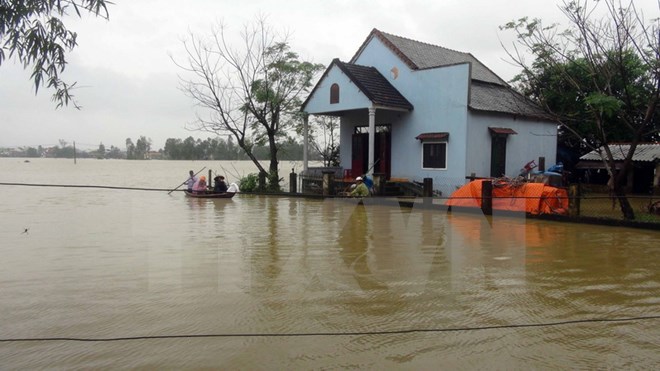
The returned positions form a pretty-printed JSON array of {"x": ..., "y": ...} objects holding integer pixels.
[
  {"x": 63, "y": 150},
  {"x": 138, "y": 151},
  {"x": 175, "y": 149},
  {"x": 226, "y": 149}
]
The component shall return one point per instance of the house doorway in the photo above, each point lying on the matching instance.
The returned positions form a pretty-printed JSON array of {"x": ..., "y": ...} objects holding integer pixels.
[
  {"x": 382, "y": 150},
  {"x": 498, "y": 155}
]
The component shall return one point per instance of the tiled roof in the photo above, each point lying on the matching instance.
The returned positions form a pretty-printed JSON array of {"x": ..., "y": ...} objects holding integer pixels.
[
  {"x": 506, "y": 131},
  {"x": 643, "y": 152},
  {"x": 497, "y": 98},
  {"x": 432, "y": 136},
  {"x": 418, "y": 55},
  {"x": 488, "y": 92},
  {"x": 374, "y": 85}
]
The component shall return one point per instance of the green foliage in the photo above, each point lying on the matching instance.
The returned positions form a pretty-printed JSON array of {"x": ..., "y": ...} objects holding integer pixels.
[
  {"x": 226, "y": 149},
  {"x": 33, "y": 32},
  {"x": 273, "y": 184},
  {"x": 599, "y": 77},
  {"x": 249, "y": 183}
]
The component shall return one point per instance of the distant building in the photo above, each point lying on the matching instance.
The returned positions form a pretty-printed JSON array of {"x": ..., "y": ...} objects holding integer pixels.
[
  {"x": 645, "y": 175},
  {"x": 154, "y": 155}
]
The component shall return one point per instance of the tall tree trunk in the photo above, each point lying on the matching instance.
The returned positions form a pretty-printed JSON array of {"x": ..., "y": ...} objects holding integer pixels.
[
  {"x": 273, "y": 174},
  {"x": 618, "y": 187},
  {"x": 626, "y": 208}
]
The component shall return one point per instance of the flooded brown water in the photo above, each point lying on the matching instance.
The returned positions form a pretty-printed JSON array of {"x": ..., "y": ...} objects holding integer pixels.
[{"x": 290, "y": 283}]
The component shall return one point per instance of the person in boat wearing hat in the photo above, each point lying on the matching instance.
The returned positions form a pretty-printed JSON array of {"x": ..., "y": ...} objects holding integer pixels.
[
  {"x": 219, "y": 186},
  {"x": 200, "y": 186},
  {"x": 360, "y": 189}
]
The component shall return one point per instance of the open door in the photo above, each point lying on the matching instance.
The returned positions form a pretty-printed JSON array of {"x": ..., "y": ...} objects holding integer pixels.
[
  {"x": 382, "y": 151},
  {"x": 498, "y": 156},
  {"x": 359, "y": 154}
]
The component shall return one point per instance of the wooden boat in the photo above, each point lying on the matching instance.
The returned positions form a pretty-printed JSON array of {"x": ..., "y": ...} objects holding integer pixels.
[{"x": 210, "y": 195}]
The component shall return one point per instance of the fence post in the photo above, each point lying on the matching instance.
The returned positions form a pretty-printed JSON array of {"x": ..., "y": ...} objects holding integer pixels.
[
  {"x": 541, "y": 164},
  {"x": 293, "y": 182},
  {"x": 574, "y": 194},
  {"x": 427, "y": 191},
  {"x": 487, "y": 197},
  {"x": 379, "y": 184},
  {"x": 328, "y": 183}
]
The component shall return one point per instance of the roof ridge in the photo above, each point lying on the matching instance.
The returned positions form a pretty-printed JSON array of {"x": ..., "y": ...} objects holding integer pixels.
[{"x": 423, "y": 42}]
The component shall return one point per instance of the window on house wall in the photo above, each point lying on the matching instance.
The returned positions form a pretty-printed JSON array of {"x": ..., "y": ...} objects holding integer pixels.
[
  {"x": 384, "y": 128},
  {"x": 334, "y": 94},
  {"x": 434, "y": 155}
]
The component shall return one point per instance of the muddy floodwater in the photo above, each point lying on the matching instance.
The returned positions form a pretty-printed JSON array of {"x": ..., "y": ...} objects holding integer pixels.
[{"x": 110, "y": 278}]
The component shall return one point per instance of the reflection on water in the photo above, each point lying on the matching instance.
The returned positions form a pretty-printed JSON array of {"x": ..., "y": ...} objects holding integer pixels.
[{"x": 118, "y": 264}]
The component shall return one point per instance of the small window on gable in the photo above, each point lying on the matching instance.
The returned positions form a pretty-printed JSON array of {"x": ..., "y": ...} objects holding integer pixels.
[{"x": 334, "y": 94}]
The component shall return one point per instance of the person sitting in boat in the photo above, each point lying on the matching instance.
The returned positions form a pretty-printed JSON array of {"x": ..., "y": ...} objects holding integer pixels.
[
  {"x": 220, "y": 186},
  {"x": 200, "y": 186},
  {"x": 192, "y": 180},
  {"x": 360, "y": 189}
]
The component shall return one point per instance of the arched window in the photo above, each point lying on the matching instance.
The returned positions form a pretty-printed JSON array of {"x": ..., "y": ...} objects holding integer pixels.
[{"x": 334, "y": 94}]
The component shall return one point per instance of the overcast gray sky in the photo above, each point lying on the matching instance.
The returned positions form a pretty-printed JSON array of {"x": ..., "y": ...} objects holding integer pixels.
[{"x": 129, "y": 85}]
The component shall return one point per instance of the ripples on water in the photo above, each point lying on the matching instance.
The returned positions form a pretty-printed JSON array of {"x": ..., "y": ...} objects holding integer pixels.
[{"x": 106, "y": 263}]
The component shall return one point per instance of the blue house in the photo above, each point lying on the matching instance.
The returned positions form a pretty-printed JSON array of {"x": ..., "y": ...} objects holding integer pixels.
[{"x": 412, "y": 110}]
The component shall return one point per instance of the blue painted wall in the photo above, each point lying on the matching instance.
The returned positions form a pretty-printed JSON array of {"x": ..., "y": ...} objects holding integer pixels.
[{"x": 350, "y": 97}]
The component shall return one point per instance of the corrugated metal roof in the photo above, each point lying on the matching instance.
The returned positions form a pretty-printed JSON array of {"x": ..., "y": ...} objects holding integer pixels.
[{"x": 643, "y": 152}]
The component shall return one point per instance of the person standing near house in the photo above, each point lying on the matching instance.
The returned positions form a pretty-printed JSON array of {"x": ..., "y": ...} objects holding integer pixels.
[
  {"x": 360, "y": 189},
  {"x": 192, "y": 180}
]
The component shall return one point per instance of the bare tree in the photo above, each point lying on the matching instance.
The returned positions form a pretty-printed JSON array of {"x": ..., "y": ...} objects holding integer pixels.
[
  {"x": 609, "y": 66},
  {"x": 324, "y": 138},
  {"x": 250, "y": 92}
]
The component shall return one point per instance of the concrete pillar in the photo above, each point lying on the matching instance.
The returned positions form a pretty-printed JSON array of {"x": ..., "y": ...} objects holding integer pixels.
[
  {"x": 328, "y": 183},
  {"x": 372, "y": 139},
  {"x": 305, "y": 142}
]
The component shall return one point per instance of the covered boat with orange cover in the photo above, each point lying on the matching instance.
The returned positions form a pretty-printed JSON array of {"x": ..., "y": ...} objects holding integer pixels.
[{"x": 533, "y": 198}]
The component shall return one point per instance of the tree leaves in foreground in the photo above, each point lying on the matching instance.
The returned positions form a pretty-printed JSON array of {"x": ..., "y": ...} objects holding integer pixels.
[
  {"x": 599, "y": 78},
  {"x": 33, "y": 31}
]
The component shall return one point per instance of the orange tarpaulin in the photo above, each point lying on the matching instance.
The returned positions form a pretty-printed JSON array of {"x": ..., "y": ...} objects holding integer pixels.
[{"x": 534, "y": 198}]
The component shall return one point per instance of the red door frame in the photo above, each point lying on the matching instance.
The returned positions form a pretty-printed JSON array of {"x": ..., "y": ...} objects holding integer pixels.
[{"x": 382, "y": 154}]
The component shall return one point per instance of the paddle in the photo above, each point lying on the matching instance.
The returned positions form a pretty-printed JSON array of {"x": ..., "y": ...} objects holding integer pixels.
[{"x": 186, "y": 181}]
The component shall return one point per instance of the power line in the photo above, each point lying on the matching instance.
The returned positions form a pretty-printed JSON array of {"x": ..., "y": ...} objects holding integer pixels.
[
  {"x": 352, "y": 333},
  {"x": 84, "y": 186}
]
